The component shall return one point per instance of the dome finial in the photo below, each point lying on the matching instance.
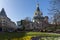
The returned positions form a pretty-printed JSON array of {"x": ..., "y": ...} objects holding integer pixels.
[{"x": 37, "y": 3}]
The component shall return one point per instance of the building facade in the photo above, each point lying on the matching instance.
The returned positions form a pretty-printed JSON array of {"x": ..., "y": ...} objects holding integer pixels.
[
  {"x": 26, "y": 24},
  {"x": 5, "y": 22}
]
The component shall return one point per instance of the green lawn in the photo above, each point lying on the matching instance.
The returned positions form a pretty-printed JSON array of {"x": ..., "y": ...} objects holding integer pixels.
[
  {"x": 44, "y": 34},
  {"x": 7, "y": 35}
]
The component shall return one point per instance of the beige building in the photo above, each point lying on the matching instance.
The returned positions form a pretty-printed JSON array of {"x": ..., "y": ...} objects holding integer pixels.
[{"x": 5, "y": 22}]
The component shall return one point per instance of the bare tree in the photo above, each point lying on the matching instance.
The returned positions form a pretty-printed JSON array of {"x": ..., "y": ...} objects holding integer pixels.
[{"x": 54, "y": 10}]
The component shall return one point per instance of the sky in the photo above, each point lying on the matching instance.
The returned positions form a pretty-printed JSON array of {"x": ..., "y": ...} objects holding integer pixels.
[{"x": 20, "y": 9}]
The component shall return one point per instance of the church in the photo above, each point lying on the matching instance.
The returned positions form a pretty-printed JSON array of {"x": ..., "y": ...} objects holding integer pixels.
[{"x": 38, "y": 23}]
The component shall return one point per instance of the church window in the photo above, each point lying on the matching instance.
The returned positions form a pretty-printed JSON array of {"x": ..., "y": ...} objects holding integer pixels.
[{"x": 35, "y": 13}]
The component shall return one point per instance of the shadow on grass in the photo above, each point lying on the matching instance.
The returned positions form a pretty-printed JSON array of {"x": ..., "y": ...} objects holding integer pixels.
[{"x": 11, "y": 35}]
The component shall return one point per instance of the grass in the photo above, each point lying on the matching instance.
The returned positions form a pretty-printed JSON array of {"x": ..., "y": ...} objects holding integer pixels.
[
  {"x": 43, "y": 34},
  {"x": 7, "y": 35}
]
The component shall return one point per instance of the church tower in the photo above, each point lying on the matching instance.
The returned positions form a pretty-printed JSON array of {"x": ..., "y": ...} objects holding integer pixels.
[{"x": 37, "y": 14}]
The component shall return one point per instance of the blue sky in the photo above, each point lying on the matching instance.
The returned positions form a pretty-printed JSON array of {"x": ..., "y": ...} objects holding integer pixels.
[{"x": 19, "y": 9}]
